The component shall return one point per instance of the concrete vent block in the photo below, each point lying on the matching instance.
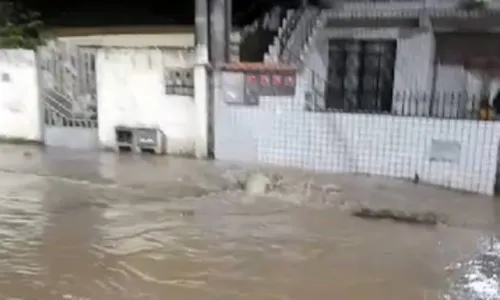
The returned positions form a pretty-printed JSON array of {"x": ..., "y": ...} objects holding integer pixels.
[
  {"x": 151, "y": 140},
  {"x": 124, "y": 139}
]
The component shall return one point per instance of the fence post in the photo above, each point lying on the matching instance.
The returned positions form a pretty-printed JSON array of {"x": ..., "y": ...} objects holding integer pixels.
[{"x": 40, "y": 85}]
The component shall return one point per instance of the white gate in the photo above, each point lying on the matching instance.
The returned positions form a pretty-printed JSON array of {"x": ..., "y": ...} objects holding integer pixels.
[{"x": 69, "y": 96}]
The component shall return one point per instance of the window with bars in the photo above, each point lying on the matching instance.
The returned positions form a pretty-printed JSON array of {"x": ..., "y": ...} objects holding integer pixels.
[
  {"x": 360, "y": 75},
  {"x": 179, "y": 82}
]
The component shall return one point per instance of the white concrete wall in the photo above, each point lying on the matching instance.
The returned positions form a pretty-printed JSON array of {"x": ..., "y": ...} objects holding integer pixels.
[
  {"x": 414, "y": 71},
  {"x": 133, "y": 40},
  {"x": 20, "y": 117},
  {"x": 131, "y": 92},
  {"x": 456, "y": 79}
]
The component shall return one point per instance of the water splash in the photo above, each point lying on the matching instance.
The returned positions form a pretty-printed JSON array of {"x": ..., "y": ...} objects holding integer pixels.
[{"x": 479, "y": 277}]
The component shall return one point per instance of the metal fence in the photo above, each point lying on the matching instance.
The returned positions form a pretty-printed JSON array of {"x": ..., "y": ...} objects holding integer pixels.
[
  {"x": 68, "y": 84},
  {"x": 448, "y": 105}
]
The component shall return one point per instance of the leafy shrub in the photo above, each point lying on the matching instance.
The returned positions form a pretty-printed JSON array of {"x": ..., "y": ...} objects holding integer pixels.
[{"x": 19, "y": 27}]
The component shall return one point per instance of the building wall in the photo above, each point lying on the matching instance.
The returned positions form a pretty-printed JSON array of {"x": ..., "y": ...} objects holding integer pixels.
[
  {"x": 20, "y": 117},
  {"x": 131, "y": 92},
  {"x": 279, "y": 131},
  {"x": 462, "y": 69},
  {"x": 395, "y": 7},
  {"x": 417, "y": 71},
  {"x": 127, "y": 36},
  {"x": 133, "y": 40},
  {"x": 138, "y": 37},
  {"x": 413, "y": 70}
]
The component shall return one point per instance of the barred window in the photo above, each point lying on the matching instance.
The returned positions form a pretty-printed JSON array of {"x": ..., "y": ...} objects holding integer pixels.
[{"x": 179, "y": 82}]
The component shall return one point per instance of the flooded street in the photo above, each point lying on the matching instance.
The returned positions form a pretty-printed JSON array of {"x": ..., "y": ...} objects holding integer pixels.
[{"x": 101, "y": 226}]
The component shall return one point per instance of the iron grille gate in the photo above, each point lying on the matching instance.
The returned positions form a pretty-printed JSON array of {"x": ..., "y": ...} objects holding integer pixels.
[{"x": 69, "y": 95}]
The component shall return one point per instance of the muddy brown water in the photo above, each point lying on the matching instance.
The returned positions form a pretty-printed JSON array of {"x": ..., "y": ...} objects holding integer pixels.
[{"x": 77, "y": 225}]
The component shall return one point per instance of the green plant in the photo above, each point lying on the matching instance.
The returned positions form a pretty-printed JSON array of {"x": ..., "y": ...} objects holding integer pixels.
[{"x": 19, "y": 26}]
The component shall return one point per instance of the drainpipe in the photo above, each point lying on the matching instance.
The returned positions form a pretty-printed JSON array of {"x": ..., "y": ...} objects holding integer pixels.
[{"x": 202, "y": 80}]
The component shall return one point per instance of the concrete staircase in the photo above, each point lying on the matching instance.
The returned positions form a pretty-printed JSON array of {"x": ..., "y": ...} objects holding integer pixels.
[
  {"x": 297, "y": 30},
  {"x": 251, "y": 43},
  {"x": 288, "y": 24}
]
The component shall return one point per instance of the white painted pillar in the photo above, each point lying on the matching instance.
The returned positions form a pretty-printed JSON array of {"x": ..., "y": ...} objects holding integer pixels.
[
  {"x": 201, "y": 80},
  {"x": 201, "y": 99}
]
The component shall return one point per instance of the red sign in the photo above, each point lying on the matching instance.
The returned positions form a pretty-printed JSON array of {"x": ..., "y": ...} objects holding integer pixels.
[
  {"x": 277, "y": 80},
  {"x": 270, "y": 84},
  {"x": 289, "y": 81},
  {"x": 264, "y": 80},
  {"x": 252, "y": 79}
]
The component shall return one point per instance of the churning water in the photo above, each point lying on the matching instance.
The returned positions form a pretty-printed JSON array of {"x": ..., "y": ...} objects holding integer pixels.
[{"x": 99, "y": 226}]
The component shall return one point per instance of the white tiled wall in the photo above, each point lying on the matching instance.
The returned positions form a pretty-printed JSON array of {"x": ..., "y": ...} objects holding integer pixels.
[{"x": 280, "y": 132}]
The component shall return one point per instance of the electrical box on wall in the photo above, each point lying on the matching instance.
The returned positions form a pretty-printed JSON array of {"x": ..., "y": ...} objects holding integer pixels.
[
  {"x": 179, "y": 81},
  {"x": 268, "y": 83},
  {"x": 244, "y": 85}
]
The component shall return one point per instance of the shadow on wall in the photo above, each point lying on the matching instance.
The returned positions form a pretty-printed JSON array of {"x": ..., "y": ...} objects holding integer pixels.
[
  {"x": 497, "y": 174},
  {"x": 256, "y": 44}
]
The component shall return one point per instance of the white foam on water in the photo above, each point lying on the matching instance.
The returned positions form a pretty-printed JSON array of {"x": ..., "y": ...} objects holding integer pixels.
[
  {"x": 482, "y": 286},
  {"x": 477, "y": 285}
]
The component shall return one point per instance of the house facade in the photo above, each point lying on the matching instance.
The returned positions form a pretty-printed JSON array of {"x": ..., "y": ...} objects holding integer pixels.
[
  {"x": 371, "y": 55},
  {"x": 387, "y": 88}
]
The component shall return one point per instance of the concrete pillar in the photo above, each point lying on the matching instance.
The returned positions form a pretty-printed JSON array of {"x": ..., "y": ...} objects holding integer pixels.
[
  {"x": 229, "y": 27},
  {"x": 213, "y": 29},
  {"x": 220, "y": 30},
  {"x": 201, "y": 79}
]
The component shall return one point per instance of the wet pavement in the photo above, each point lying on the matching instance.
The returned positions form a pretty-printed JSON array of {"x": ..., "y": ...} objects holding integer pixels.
[{"x": 77, "y": 225}]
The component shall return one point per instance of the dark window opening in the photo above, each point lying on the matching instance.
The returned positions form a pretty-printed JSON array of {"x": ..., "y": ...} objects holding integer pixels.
[{"x": 360, "y": 75}]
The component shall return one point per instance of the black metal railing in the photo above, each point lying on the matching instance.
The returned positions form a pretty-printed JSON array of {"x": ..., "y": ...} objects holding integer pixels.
[{"x": 449, "y": 105}]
